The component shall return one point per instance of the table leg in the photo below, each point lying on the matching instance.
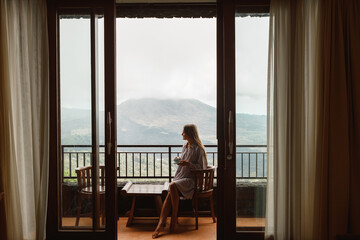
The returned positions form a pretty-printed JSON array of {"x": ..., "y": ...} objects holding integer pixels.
[
  {"x": 131, "y": 215},
  {"x": 158, "y": 204}
]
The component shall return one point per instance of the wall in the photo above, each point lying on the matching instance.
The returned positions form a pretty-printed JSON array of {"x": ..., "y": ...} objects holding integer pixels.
[{"x": 251, "y": 199}]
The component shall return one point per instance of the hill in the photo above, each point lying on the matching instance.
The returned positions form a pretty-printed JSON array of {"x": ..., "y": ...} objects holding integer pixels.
[{"x": 155, "y": 121}]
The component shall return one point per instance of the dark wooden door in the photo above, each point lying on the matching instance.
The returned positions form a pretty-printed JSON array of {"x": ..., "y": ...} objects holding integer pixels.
[
  {"x": 101, "y": 226},
  {"x": 225, "y": 126},
  {"x": 226, "y": 117}
]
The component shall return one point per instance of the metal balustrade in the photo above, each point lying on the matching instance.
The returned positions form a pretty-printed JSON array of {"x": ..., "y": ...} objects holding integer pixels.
[{"x": 155, "y": 161}]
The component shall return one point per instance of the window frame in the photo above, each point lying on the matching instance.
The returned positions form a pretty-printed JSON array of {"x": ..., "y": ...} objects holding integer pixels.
[{"x": 225, "y": 13}]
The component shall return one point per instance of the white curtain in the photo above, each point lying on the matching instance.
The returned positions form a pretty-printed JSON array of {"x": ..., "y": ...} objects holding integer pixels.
[
  {"x": 24, "y": 118},
  {"x": 293, "y": 113}
]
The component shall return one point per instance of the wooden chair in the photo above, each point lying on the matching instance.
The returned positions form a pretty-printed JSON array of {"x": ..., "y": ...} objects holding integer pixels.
[
  {"x": 85, "y": 189},
  {"x": 204, "y": 180}
]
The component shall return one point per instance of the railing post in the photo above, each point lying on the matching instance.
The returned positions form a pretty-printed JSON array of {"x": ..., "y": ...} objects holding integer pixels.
[{"x": 169, "y": 164}]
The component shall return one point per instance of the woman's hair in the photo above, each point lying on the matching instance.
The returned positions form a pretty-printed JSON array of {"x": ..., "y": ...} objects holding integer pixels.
[{"x": 192, "y": 132}]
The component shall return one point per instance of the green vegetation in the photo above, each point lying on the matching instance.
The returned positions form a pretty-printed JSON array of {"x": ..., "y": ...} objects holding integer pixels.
[{"x": 154, "y": 121}]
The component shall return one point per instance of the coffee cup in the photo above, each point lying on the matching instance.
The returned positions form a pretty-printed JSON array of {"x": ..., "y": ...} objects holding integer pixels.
[{"x": 176, "y": 160}]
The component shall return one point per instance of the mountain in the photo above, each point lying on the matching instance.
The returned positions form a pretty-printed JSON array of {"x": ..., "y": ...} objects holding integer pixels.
[
  {"x": 75, "y": 126},
  {"x": 154, "y": 121},
  {"x": 161, "y": 121}
]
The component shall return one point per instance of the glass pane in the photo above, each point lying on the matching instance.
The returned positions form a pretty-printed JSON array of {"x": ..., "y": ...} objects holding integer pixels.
[
  {"x": 101, "y": 101},
  {"x": 251, "y": 89},
  {"x": 75, "y": 97},
  {"x": 166, "y": 78}
]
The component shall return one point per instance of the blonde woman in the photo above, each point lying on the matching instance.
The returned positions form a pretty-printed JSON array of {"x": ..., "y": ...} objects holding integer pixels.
[{"x": 193, "y": 156}]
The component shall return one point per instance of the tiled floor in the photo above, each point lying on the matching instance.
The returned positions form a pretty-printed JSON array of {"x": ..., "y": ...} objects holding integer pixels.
[{"x": 143, "y": 228}]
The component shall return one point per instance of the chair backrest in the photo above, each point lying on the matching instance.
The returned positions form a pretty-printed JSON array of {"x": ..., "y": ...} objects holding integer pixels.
[
  {"x": 204, "y": 179},
  {"x": 84, "y": 176}
]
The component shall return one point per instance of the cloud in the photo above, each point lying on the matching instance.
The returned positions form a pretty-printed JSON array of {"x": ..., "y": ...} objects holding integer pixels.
[{"x": 165, "y": 58}]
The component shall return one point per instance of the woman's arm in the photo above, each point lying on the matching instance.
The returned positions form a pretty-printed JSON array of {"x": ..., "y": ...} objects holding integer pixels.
[
  {"x": 198, "y": 160},
  {"x": 183, "y": 161}
]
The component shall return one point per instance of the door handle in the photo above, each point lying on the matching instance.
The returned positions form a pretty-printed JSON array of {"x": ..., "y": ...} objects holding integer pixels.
[
  {"x": 231, "y": 136},
  {"x": 108, "y": 123}
]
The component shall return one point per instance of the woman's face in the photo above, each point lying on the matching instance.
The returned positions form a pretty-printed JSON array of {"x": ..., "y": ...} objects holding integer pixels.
[{"x": 185, "y": 136}]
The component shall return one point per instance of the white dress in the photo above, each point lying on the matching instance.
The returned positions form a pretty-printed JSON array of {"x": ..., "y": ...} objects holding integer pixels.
[{"x": 184, "y": 179}]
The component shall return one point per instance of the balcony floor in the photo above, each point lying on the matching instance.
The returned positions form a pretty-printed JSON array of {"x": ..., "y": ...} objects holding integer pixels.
[
  {"x": 143, "y": 228},
  {"x": 185, "y": 229}
]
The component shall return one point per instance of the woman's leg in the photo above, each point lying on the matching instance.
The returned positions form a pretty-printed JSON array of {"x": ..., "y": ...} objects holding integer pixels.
[
  {"x": 165, "y": 210},
  {"x": 174, "y": 193}
]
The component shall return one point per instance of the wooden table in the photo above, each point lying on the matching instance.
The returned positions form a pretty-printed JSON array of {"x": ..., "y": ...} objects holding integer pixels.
[{"x": 150, "y": 190}]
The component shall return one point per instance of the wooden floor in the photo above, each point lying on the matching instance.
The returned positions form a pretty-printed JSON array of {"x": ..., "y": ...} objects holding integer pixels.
[
  {"x": 143, "y": 228},
  {"x": 185, "y": 229}
]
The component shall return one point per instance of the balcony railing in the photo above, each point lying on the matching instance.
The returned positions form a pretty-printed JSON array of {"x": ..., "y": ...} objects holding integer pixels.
[{"x": 155, "y": 161}]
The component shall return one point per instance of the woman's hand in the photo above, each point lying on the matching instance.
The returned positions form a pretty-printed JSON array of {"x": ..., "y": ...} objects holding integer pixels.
[{"x": 184, "y": 163}]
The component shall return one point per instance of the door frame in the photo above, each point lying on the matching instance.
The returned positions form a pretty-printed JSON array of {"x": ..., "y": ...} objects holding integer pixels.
[
  {"x": 226, "y": 122},
  {"x": 226, "y": 185},
  {"x": 225, "y": 106},
  {"x": 54, "y": 202}
]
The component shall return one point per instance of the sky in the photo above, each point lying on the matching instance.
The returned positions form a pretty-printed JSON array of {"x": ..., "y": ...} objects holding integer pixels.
[{"x": 165, "y": 58}]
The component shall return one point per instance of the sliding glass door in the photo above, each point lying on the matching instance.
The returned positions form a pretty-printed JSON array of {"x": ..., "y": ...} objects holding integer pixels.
[
  {"x": 243, "y": 31},
  {"x": 251, "y": 47},
  {"x": 82, "y": 198},
  {"x": 84, "y": 127}
]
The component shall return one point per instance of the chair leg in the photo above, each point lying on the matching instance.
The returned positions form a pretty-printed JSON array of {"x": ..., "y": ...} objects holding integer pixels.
[
  {"x": 78, "y": 210},
  {"x": 193, "y": 206},
  {"x": 102, "y": 210},
  {"x": 212, "y": 209},
  {"x": 196, "y": 213}
]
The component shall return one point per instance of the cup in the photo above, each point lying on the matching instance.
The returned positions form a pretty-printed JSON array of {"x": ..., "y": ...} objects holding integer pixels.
[{"x": 176, "y": 160}]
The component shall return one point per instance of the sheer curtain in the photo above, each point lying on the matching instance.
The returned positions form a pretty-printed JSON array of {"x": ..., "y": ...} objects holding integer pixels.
[
  {"x": 313, "y": 119},
  {"x": 24, "y": 116},
  {"x": 293, "y": 113}
]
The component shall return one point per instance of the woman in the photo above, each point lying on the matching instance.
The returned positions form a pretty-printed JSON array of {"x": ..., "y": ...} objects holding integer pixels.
[{"x": 193, "y": 156}]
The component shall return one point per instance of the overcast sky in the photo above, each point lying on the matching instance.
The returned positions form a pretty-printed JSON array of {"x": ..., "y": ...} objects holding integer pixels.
[{"x": 166, "y": 58}]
